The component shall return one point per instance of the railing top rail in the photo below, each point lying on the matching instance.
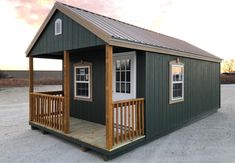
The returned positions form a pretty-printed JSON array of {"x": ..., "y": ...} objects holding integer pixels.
[
  {"x": 46, "y": 95},
  {"x": 51, "y": 92},
  {"x": 129, "y": 100}
]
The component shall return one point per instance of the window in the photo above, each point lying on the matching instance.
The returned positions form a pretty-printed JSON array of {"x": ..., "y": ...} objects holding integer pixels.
[
  {"x": 176, "y": 82},
  {"x": 58, "y": 26},
  {"x": 82, "y": 81},
  {"x": 123, "y": 76}
]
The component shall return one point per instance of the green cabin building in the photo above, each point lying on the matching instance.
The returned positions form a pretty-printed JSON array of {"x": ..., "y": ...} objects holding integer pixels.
[{"x": 123, "y": 86}]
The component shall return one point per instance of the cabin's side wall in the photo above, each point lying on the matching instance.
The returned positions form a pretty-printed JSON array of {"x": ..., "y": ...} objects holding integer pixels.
[
  {"x": 201, "y": 93},
  {"x": 94, "y": 110},
  {"x": 73, "y": 36}
]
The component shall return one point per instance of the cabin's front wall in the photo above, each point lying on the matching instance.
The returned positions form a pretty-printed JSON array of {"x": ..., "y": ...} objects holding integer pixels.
[
  {"x": 201, "y": 93},
  {"x": 93, "y": 110}
]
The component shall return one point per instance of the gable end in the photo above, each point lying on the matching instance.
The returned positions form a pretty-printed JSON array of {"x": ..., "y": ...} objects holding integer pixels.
[{"x": 73, "y": 36}]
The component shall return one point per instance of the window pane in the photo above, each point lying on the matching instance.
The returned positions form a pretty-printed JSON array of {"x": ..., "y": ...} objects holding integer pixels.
[
  {"x": 117, "y": 87},
  {"x": 128, "y": 76},
  {"x": 177, "y": 73},
  {"x": 128, "y": 87},
  {"x": 82, "y": 71},
  {"x": 82, "y": 77},
  {"x": 118, "y": 65},
  {"x": 122, "y": 87},
  {"x": 117, "y": 76},
  {"x": 128, "y": 64},
  {"x": 87, "y": 77},
  {"x": 177, "y": 90},
  {"x": 86, "y": 70},
  {"x": 86, "y": 92},
  {"x": 77, "y": 71},
  {"x": 78, "y": 78},
  {"x": 79, "y": 92},
  {"x": 123, "y": 64},
  {"x": 82, "y": 89},
  {"x": 123, "y": 76}
]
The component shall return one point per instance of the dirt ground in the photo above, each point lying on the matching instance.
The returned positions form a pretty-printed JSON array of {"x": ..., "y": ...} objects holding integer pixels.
[{"x": 209, "y": 140}]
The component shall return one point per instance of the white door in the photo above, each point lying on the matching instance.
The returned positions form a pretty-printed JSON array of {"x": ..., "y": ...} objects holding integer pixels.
[{"x": 124, "y": 76}]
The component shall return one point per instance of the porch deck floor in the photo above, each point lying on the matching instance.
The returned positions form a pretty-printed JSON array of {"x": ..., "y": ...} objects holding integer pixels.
[{"x": 89, "y": 132}]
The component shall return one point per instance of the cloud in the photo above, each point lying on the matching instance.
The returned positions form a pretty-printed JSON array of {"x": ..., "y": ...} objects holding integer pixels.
[{"x": 33, "y": 12}]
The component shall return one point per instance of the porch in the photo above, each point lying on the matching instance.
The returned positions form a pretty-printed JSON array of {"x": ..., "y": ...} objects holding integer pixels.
[
  {"x": 48, "y": 111},
  {"x": 123, "y": 120}
]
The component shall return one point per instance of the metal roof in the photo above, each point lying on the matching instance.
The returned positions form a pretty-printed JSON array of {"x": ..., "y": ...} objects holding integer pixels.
[
  {"x": 124, "y": 31},
  {"x": 118, "y": 33}
]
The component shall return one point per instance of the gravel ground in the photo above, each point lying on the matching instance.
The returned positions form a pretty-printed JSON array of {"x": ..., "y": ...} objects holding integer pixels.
[{"x": 209, "y": 140}]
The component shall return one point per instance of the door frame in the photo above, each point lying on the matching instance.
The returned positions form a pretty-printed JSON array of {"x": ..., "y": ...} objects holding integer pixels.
[{"x": 132, "y": 56}]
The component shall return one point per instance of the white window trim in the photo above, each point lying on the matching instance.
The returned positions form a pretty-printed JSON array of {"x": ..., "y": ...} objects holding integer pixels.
[
  {"x": 59, "y": 22},
  {"x": 171, "y": 82},
  {"x": 83, "y": 65}
]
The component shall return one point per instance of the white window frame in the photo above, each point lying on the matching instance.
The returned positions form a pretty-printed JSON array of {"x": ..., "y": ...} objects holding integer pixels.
[
  {"x": 124, "y": 96},
  {"x": 171, "y": 82},
  {"x": 58, "y": 22},
  {"x": 83, "y": 65}
]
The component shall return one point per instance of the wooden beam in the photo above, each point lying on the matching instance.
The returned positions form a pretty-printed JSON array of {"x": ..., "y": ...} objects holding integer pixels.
[
  {"x": 108, "y": 95},
  {"x": 31, "y": 87},
  {"x": 66, "y": 92}
]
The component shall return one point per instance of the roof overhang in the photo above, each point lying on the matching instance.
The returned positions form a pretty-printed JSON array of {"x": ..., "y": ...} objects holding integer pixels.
[{"x": 150, "y": 48}]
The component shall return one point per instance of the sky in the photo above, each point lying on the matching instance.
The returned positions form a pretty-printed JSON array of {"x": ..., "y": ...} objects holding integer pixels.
[{"x": 208, "y": 24}]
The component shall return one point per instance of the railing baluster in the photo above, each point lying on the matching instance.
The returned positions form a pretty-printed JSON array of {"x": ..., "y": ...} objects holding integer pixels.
[
  {"x": 49, "y": 110},
  {"x": 33, "y": 106},
  {"x": 137, "y": 110},
  {"x": 121, "y": 126},
  {"x": 139, "y": 121},
  {"x": 129, "y": 121},
  {"x": 125, "y": 120},
  {"x": 53, "y": 112},
  {"x": 113, "y": 126},
  {"x": 142, "y": 117},
  {"x": 43, "y": 110},
  {"x": 57, "y": 112},
  {"x": 38, "y": 108},
  {"x": 117, "y": 123},
  {"x": 133, "y": 117}
]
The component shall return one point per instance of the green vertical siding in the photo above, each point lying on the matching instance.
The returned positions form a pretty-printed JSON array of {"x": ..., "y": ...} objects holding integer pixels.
[
  {"x": 73, "y": 36},
  {"x": 91, "y": 111},
  {"x": 140, "y": 74},
  {"x": 201, "y": 94}
]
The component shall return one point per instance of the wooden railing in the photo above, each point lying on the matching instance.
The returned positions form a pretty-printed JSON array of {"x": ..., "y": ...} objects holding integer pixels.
[
  {"x": 48, "y": 109},
  {"x": 128, "y": 116}
]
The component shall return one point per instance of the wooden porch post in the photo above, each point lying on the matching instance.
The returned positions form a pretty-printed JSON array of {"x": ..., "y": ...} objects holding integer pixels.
[
  {"x": 66, "y": 92},
  {"x": 31, "y": 86},
  {"x": 108, "y": 95}
]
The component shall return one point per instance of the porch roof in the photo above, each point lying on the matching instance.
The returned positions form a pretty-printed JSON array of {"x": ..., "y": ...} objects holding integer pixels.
[{"x": 117, "y": 33}]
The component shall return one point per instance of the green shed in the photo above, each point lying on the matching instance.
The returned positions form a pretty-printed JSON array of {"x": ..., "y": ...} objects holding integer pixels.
[{"x": 123, "y": 86}]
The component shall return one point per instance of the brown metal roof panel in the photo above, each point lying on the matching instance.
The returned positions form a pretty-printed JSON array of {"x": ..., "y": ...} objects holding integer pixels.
[{"x": 124, "y": 31}]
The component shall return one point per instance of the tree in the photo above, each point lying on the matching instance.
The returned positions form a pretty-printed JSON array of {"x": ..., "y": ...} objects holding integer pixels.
[
  {"x": 228, "y": 65},
  {"x": 1, "y": 74}
]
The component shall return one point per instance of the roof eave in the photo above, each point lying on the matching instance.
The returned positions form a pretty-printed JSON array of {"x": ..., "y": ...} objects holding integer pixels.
[{"x": 139, "y": 46}]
